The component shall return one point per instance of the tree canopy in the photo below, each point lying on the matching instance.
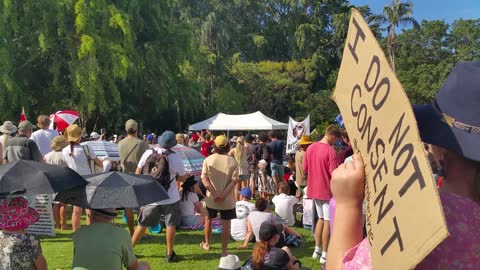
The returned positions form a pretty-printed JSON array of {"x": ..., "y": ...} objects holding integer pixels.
[{"x": 169, "y": 63}]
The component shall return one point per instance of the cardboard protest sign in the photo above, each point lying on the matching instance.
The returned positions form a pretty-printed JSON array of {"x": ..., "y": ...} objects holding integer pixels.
[
  {"x": 405, "y": 220},
  {"x": 45, "y": 225}
]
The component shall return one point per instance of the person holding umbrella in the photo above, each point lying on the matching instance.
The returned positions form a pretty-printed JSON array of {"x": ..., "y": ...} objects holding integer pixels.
[
  {"x": 130, "y": 151},
  {"x": 150, "y": 214},
  {"x": 103, "y": 237},
  {"x": 18, "y": 249},
  {"x": 78, "y": 159}
]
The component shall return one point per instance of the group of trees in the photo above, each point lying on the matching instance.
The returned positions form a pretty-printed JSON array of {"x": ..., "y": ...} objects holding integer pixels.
[{"x": 169, "y": 63}]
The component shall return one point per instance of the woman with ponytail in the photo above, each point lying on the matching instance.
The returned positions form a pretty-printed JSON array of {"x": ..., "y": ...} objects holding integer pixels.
[
  {"x": 78, "y": 158},
  {"x": 266, "y": 256},
  {"x": 451, "y": 125},
  {"x": 240, "y": 155}
]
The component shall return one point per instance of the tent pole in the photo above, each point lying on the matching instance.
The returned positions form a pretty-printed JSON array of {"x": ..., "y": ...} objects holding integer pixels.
[{"x": 228, "y": 134}]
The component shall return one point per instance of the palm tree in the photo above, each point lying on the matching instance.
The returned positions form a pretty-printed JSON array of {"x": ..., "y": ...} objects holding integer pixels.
[{"x": 395, "y": 14}]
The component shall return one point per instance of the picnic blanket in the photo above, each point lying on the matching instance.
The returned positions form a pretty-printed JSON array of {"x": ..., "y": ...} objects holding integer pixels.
[{"x": 216, "y": 226}]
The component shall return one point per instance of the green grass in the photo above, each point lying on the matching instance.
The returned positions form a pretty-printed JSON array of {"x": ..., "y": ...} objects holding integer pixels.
[{"x": 59, "y": 250}]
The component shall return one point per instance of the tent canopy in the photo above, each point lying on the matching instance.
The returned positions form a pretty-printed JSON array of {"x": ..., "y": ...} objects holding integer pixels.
[{"x": 251, "y": 121}]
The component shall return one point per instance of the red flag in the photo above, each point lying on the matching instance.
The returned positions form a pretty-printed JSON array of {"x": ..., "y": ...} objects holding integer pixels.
[{"x": 22, "y": 115}]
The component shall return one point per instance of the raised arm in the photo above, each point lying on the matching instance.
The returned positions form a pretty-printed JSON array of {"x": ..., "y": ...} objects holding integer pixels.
[{"x": 348, "y": 190}]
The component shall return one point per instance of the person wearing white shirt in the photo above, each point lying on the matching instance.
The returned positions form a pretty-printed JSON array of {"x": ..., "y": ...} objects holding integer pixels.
[
  {"x": 150, "y": 214},
  {"x": 284, "y": 205},
  {"x": 78, "y": 158},
  {"x": 44, "y": 135},
  {"x": 243, "y": 208},
  {"x": 189, "y": 205}
]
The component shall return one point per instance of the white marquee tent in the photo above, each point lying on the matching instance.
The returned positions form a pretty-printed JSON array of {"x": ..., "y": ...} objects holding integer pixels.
[{"x": 251, "y": 121}]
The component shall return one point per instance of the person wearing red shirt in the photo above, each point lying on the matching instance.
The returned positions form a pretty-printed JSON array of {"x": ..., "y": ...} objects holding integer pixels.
[
  {"x": 207, "y": 145},
  {"x": 319, "y": 162}
]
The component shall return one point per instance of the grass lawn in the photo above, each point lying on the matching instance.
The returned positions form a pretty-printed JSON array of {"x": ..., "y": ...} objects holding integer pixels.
[{"x": 59, "y": 250}]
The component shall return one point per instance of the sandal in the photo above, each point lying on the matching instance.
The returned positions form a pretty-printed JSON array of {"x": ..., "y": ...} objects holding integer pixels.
[{"x": 205, "y": 246}]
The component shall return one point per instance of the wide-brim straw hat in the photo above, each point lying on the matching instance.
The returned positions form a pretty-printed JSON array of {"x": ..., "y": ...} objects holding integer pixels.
[
  {"x": 305, "y": 140},
  {"x": 58, "y": 143}
]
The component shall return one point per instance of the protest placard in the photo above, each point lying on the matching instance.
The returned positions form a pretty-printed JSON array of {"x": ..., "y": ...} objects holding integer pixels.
[
  {"x": 405, "y": 220},
  {"x": 295, "y": 131},
  {"x": 45, "y": 225}
]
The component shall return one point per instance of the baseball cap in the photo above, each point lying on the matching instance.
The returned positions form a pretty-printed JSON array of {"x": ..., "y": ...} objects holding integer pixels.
[
  {"x": 94, "y": 135},
  {"x": 268, "y": 230},
  {"x": 167, "y": 140},
  {"x": 131, "y": 124},
  {"x": 26, "y": 125},
  {"x": 221, "y": 141},
  {"x": 246, "y": 192}
]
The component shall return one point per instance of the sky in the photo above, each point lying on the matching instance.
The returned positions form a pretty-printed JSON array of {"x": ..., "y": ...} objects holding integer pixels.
[{"x": 448, "y": 10}]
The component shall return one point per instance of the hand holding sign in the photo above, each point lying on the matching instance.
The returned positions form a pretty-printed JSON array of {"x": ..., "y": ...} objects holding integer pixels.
[
  {"x": 348, "y": 183},
  {"x": 404, "y": 216}
]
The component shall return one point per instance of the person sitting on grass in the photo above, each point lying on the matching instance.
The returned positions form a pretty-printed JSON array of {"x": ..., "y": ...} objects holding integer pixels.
[
  {"x": 18, "y": 249},
  {"x": 284, "y": 205},
  {"x": 189, "y": 205},
  {"x": 255, "y": 220},
  {"x": 243, "y": 208},
  {"x": 267, "y": 256},
  {"x": 103, "y": 245}
]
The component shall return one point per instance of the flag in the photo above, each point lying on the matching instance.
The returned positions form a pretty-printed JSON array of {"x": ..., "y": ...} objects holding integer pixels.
[
  {"x": 22, "y": 115},
  {"x": 295, "y": 131}
]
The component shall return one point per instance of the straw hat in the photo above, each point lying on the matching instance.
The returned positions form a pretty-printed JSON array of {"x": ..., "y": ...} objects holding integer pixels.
[
  {"x": 73, "y": 133},
  {"x": 15, "y": 214},
  {"x": 8, "y": 127},
  {"x": 58, "y": 143},
  {"x": 305, "y": 140}
]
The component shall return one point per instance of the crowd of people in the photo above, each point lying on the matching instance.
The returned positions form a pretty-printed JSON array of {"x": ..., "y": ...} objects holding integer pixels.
[{"x": 254, "y": 189}]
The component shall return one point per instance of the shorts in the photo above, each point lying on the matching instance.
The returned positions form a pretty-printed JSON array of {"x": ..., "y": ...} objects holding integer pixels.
[
  {"x": 224, "y": 214},
  {"x": 244, "y": 177},
  {"x": 151, "y": 215},
  {"x": 322, "y": 208},
  {"x": 277, "y": 169}
]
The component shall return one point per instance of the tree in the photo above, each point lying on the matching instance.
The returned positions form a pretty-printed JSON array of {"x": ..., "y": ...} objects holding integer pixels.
[{"x": 394, "y": 15}]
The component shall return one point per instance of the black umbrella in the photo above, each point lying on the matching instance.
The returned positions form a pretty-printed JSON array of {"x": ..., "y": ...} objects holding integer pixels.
[
  {"x": 28, "y": 177},
  {"x": 114, "y": 190}
]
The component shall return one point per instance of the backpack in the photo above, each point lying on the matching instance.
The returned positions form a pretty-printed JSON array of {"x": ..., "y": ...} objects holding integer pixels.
[
  {"x": 156, "y": 165},
  {"x": 262, "y": 152}
]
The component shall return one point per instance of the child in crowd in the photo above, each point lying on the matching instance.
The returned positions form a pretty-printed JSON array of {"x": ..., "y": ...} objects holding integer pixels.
[
  {"x": 266, "y": 184},
  {"x": 284, "y": 205}
]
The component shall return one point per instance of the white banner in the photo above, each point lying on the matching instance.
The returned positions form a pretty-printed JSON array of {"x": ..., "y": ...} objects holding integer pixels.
[
  {"x": 45, "y": 225},
  {"x": 295, "y": 131}
]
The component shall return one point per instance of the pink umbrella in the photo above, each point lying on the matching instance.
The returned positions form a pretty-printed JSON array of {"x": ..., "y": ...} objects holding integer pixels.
[{"x": 63, "y": 119}]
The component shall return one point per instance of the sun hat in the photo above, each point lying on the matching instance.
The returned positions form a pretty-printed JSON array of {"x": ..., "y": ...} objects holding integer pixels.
[
  {"x": 167, "y": 139},
  {"x": 8, "y": 127},
  {"x": 229, "y": 262},
  {"x": 221, "y": 141},
  {"x": 452, "y": 120},
  {"x": 131, "y": 124},
  {"x": 74, "y": 133},
  {"x": 25, "y": 125},
  {"x": 94, "y": 135},
  {"x": 58, "y": 143},
  {"x": 234, "y": 139},
  {"x": 246, "y": 192},
  {"x": 304, "y": 140},
  {"x": 43, "y": 121},
  {"x": 268, "y": 230},
  {"x": 107, "y": 212},
  {"x": 15, "y": 214}
]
